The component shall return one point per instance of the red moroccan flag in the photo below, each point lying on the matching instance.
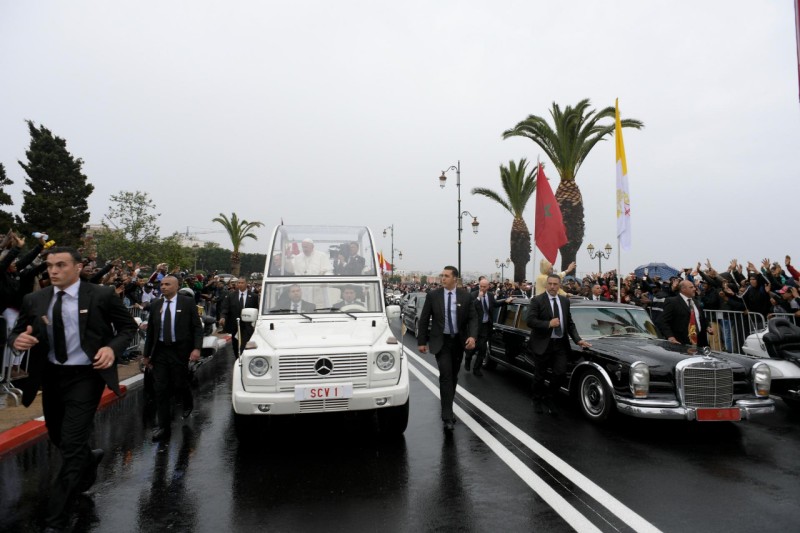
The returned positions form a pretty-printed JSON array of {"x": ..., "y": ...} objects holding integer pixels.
[{"x": 550, "y": 234}]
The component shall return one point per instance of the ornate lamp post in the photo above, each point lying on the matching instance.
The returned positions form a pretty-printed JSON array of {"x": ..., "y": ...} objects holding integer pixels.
[
  {"x": 600, "y": 255},
  {"x": 390, "y": 229},
  {"x": 502, "y": 266},
  {"x": 475, "y": 223}
]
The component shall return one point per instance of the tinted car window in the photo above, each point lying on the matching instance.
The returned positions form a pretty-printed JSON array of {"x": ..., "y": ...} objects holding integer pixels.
[
  {"x": 511, "y": 315},
  {"x": 604, "y": 321},
  {"x": 523, "y": 319}
]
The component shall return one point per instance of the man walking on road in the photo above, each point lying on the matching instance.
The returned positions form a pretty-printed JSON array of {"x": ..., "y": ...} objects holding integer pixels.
[
  {"x": 75, "y": 331},
  {"x": 174, "y": 337},
  {"x": 550, "y": 320},
  {"x": 232, "y": 306},
  {"x": 485, "y": 306},
  {"x": 454, "y": 328}
]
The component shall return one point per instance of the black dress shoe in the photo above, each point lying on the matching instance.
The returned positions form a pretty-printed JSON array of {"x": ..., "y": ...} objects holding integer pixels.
[
  {"x": 51, "y": 529},
  {"x": 449, "y": 425},
  {"x": 160, "y": 434},
  {"x": 186, "y": 413},
  {"x": 467, "y": 363},
  {"x": 550, "y": 406},
  {"x": 91, "y": 473},
  {"x": 477, "y": 371}
]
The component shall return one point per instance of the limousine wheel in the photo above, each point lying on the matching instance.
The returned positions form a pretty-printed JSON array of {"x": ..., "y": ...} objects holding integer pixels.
[
  {"x": 248, "y": 426},
  {"x": 595, "y": 397}
]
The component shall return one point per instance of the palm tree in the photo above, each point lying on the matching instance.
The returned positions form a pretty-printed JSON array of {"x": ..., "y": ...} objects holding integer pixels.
[
  {"x": 238, "y": 230},
  {"x": 577, "y": 131},
  {"x": 518, "y": 185}
]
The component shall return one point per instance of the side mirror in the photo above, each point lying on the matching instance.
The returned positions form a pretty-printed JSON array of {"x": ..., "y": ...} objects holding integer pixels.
[
  {"x": 249, "y": 314},
  {"x": 392, "y": 311}
]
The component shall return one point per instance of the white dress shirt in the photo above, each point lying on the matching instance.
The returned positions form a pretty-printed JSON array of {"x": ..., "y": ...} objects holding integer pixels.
[{"x": 72, "y": 332}]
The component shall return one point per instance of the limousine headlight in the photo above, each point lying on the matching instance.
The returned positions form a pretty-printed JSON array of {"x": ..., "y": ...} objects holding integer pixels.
[
  {"x": 640, "y": 379},
  {"x": 762, "y": 379},
  {"x": 385, "y": 361},
  {"x": 258, "y": 366}
]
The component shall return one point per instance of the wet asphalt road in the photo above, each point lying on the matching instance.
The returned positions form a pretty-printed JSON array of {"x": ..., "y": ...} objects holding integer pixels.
[{"x": 504, "y": 469}]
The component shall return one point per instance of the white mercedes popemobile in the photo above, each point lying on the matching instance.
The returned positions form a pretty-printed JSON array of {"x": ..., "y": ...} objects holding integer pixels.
[{"x": 322, "y": 341}]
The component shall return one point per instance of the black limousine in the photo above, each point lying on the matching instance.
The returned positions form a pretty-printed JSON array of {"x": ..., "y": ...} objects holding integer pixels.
[{"x": 632, "y": 369}]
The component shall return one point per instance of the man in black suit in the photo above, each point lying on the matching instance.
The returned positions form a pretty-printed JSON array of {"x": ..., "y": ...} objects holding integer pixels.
[
  {"x": 355, "y": 263},
  {"x": 597, "y": 293},
  {"x": 485, "y": 304},
  {"x": 549, "y": 318},
  {"x": 676, "y": 322},
  {"x": 348, "y": 298},
  {"x": 174, "y": 337},
  {"x": 454, "y": 328},
  {"x": 75, "y": 331},
  {"x": 232, "y": 306}
]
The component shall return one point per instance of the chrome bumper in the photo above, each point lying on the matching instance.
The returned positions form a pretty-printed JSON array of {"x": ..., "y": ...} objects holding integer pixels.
[{"x": 672, "y": 410}]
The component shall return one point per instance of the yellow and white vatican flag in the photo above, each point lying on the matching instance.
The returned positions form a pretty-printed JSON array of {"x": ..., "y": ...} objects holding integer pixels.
[{"x": 623, "y": 194}]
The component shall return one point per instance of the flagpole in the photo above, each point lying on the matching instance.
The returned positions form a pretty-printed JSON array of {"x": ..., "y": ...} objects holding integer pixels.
[
  {"x": 619, "y": 270},
  {"x": 535, "y": 275}
]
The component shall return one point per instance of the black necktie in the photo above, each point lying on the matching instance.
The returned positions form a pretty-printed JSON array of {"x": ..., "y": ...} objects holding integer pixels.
[
  {"x": 557, "y": 330},
  {"x": 450, "y": 313},
  {"x": 241, "y": 302},
  {"x": 167, "y": 324},
  {"x": 59, "y": 339},
  {"x": 485, "y": 305}
]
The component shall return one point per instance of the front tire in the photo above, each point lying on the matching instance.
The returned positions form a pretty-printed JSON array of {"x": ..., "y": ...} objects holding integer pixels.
[
  {"x": 793, "y": 403},
  {"x": 393, "y": 420},
  {"x": 594, "y": 397},
  {"x": 247, "y": 427}
]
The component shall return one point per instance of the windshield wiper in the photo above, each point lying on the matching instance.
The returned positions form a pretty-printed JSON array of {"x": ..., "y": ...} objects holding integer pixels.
[{"x": 337, "y": 310}]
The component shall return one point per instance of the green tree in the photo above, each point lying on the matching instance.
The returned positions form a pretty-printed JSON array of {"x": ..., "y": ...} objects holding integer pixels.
[
  {"x": 518, "y": 186},
  {"x": 575, "y": 131},
  {"x": 172, "y": 251},
  {"x": 6, "y": 218},
  {"x": 57, "y": 202},
  {"x": 238, "y": 230},
  {"x": 130, "y": 229}
]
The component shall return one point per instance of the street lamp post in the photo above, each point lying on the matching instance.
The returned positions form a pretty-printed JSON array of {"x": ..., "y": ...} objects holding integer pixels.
[
  {"x": 600, "y": 255},
  {"x": 502, "y": 266},
  {"x": 475, "y": 223},
  {"x": 390, "y": 229}
]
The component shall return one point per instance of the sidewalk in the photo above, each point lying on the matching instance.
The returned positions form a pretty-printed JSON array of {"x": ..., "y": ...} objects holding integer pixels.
[{"x": 21, "y": 425}]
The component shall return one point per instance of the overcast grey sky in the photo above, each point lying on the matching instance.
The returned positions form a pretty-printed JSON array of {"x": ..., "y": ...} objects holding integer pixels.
[{"x": 345, "y": 113}]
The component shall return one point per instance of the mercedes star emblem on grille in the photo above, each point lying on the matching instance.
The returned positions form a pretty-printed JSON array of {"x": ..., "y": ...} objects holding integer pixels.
[{"x": 323, "y": 366}]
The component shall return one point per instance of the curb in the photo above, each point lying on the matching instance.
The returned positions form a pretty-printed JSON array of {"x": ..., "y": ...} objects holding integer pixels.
[{"x": 33, "y": 431}]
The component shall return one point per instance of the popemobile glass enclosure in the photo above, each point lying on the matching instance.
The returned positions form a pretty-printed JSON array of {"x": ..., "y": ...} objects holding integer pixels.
[{"x": 322, "y": 340}]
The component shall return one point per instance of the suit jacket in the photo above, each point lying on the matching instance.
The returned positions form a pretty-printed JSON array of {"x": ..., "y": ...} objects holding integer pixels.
[
  {"x": 466, "y": 319},
  {"x": 354, "y": 266},
  {"x": 102, "y": 321},
  {"x": 540, "y": 312},
  {"x": 493, "y": 304},
  {"x": 305, "y": 307},
  {"x": 674, "y": 321},
  {"x": 231, "y": 311},
  {"x": 188, "y": 329}
]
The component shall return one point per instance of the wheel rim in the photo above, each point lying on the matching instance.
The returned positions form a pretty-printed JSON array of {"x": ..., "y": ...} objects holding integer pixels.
[{"x": 593, "y": 395}]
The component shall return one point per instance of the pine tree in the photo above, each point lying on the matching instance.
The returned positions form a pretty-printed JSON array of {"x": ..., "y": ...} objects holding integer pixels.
[
  {"x": 57, "y": 202},
  {"x": 6, "y": 218}
]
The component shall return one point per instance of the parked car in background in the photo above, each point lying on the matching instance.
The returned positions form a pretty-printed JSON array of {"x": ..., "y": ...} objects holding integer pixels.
[
  {"x": 631, "y": 369},
  {"x": 412, "y": 311}
]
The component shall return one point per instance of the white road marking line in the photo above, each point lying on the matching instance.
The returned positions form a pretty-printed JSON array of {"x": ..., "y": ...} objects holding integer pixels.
[
  {"x": 626, "y": 514},
  {"x": 569, "y": 513}
]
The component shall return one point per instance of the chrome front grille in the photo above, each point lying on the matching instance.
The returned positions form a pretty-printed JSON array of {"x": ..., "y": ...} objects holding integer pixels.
[
  {"x": 707, "y": 385},
  {"x": 301, "y": 367},
  {"x": 318, "y": 406}
]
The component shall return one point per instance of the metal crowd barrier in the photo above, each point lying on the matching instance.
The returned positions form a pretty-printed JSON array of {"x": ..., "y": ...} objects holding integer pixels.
[
  {"x": 732, "y": 328},
  {"x": 8, "y": 367}
]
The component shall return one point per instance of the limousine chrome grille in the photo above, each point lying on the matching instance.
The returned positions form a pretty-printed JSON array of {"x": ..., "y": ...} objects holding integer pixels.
[
  {"x": 707, "y": 385},
  {"x": 310, "y": 368}
]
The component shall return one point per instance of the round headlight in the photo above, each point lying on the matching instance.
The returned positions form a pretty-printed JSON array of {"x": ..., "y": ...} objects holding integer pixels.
[
  {"x": 385, "y": 360},
  {"x": 762, "y": 379},
  {"x": 259, "y": 366},
  {"x": 640, "y": 379}
]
